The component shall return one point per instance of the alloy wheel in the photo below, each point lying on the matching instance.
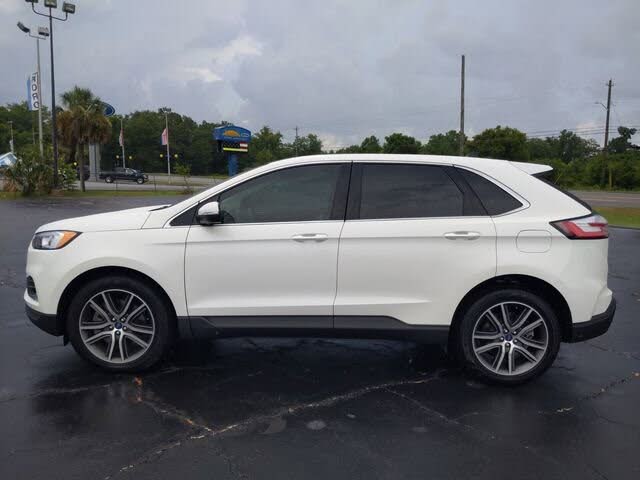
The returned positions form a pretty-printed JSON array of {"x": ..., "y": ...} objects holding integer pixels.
[
  {"x": 117, "y": 326},
  {"x": 510, "y": 338}
]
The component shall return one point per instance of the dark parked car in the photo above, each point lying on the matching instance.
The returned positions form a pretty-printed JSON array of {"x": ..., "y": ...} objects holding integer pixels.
[{"x": 120, "y": 173}]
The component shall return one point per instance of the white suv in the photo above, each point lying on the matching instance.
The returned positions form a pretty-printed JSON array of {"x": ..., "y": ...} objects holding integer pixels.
[{"x": 476, "y": 253}]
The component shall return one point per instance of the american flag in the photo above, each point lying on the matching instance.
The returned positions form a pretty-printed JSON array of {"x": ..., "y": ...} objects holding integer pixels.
[
  {"x": 165, "y": 137},
  {"x": 121, "y": 138}
]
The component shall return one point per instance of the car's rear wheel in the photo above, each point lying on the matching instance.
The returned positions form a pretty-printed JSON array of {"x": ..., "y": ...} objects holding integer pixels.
[
  {"x": 509, "y": 336},
  {"x": 119, "y": 323},
  {"x": 108, "y": 179}
]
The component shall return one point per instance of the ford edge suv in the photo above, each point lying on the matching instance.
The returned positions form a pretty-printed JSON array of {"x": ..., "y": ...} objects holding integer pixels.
[{"x": 478, "y": 254}]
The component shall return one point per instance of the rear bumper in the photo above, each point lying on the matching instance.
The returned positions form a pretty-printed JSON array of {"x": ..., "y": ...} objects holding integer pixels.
[
  {"x": 49, "y": 323},
  {"x": 595, "y": 327}
]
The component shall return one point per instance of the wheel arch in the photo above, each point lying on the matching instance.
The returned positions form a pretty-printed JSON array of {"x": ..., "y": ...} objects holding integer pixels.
[
  {"x": 525, "y": 282},
  {"x": 99, "y": 272}
]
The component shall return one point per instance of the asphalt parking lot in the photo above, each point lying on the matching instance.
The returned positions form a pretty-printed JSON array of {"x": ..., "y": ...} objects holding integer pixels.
[{"x": 309, "y": 408}]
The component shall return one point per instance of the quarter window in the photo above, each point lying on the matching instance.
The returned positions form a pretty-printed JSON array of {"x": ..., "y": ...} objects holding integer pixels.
[
  {"x": 295, "y": 194},
  {"x": 494, "y": 199},
  {"x": 408, "y": 191}
]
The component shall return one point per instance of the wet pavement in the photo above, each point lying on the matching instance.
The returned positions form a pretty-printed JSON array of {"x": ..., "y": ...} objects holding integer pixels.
[{"x": 309, "y": 408}]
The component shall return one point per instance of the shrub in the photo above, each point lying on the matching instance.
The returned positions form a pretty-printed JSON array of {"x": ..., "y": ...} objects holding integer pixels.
[
  {"x": 29, "y": 174},
  {"x": 67, "y": 176}
]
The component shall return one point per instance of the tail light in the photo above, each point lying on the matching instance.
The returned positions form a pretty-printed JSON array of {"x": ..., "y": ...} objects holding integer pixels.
[{"x": 583, "y": 228}]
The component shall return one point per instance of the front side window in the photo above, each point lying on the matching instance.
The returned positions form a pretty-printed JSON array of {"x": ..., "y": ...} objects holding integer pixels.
[
  {"x": 408, "y": 191},
  {"x": 295, "y": 194}
]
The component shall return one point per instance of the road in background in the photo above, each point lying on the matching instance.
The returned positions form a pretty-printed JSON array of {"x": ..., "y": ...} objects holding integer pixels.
[
  {"x": 609, "y": 199},
  {"x": 308, "y": 408}
]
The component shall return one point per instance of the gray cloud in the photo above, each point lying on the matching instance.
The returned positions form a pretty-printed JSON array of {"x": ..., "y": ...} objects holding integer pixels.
[{"x": 344, "y": 69}]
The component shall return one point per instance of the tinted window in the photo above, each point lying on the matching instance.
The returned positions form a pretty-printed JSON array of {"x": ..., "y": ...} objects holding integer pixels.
[
  {"x": 290, "y": 195},
  {"x": 494, "y": 198},
  {"x": 408, "y": 191}
]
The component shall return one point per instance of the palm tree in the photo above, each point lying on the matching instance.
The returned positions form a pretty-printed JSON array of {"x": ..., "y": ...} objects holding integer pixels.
[{"x": 81, "y": 123}]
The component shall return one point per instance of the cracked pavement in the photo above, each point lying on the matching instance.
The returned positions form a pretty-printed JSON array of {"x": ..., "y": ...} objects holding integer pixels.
[{"x": 309, "y": 408}]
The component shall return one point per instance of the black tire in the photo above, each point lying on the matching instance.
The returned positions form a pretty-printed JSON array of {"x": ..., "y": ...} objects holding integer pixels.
[
  {"x": 465, "y": 340},
  {"x": 140, "y": 181},
  {"x": 163, "y": 317},
  {"x": 108, "y": 179}
]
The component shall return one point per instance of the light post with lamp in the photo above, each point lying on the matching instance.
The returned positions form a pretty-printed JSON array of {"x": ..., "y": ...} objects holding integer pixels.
[
  {"x": 43, "y": 33},
  {"x": 67, "y": 8}
]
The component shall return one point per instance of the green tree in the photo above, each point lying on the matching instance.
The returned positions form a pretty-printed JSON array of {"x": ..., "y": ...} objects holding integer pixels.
[
  {"x": 370, "y": 145},
  {"x": 350, "y": 149},
  {"x": 25, "y": 126},
  {"x": 266, "y": 146},
  {"x": 505, "y": 143},
  {"x": 304, "y": 145},
  {"x": 568, "y": 146},
  {"x": 443, "y": 143},
  {"x": 81, "y": 123},
  {"x": 401, "y": 143},
  {"x": 539, "y": 149},
  {"x": 622, "y": 143}
]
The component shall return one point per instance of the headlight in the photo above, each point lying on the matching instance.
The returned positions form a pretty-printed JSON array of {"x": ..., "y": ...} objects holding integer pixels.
[{"x": 53, "y": 240}]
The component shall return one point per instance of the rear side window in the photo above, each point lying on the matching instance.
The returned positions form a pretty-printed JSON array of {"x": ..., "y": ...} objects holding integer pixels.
[
  {"x": 494, "y": 199},
  {"x": 408, "y": 191}
]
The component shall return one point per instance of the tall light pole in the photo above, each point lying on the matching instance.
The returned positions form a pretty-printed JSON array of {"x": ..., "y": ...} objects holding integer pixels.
[
  {"x": 67, "y": 8},
  {"x": 43, "y": 33}
]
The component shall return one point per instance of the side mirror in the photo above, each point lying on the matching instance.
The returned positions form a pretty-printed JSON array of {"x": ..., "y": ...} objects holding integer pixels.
[{"x": 208, "y": 214}]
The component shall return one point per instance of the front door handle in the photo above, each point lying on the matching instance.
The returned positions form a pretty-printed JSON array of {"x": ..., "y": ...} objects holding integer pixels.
[
  {"x": 310, "y": 237},
  {"x": 462, "y": 235}
]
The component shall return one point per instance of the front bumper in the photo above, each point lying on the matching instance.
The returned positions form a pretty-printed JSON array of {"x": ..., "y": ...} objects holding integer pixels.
[
  {"x": 595, "y": 327},
  {"x": 49, "y": 323}
]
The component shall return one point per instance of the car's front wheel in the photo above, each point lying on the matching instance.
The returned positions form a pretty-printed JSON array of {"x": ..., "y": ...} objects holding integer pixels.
[
  {"x": 108, "y": 179},
  {"x": 509, "y": 336},
  {"x": 119, "y": 323},
  {"x": 140, "y": 181}
]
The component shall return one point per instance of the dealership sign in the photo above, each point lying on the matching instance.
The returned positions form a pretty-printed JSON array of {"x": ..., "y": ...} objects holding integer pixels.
[
  {"x": 33, "y": 92},
  {"x": 232, "y": 139}
]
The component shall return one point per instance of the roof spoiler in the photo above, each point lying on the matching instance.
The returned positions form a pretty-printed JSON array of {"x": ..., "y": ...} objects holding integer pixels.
[{"x": 535, "y": 169}]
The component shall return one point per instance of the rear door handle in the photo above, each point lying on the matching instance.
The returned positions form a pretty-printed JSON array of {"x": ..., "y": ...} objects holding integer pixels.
[
  {"x": 463, "y": 235},
  {"x": 310, "y": 237}
]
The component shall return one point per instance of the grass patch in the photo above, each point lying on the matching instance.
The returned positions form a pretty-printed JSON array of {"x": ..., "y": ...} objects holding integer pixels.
[
  {"x": 620, "y": 216},
  {"x": 95, "y": 194}
]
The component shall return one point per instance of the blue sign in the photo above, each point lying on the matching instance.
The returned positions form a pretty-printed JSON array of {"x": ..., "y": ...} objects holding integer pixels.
[
  {"x": 231, "y": 133},
  {"x": 108, "y": 110}
]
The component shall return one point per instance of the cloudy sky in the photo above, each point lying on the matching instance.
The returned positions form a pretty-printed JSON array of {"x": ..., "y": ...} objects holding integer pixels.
[{"x": 347, "y": 68}]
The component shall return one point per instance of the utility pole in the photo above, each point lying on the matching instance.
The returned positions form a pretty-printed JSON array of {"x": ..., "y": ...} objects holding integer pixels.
[
  {"x": 296, "y": 141},
  {"x": 122, "y": 143},
  {"x": 606, "y": 130},
  {"x": 461, "y": 135}
]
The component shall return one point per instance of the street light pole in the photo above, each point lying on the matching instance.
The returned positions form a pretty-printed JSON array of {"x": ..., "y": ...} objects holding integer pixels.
[
  {"x": 67, "y": 8},
  {"x": 54, "y": 124},
  {"x": 43, "y": 33}
]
